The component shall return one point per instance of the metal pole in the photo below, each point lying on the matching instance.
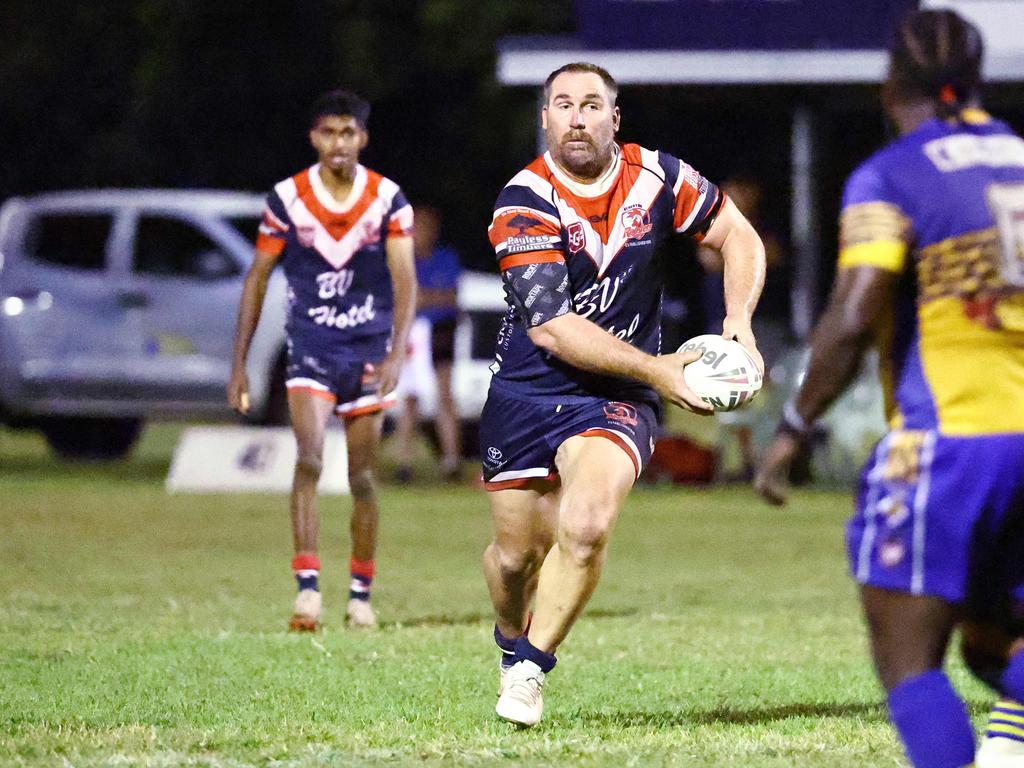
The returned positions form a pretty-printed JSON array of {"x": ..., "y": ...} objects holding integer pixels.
[{"x": 804, "y": 221}]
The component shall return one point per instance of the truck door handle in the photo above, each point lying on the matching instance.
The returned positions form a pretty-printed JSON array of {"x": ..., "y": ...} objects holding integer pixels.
[{"x": 132, "y": 299}]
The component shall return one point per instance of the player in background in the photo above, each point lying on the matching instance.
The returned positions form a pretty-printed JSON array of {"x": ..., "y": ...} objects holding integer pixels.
[
  {"x": 931, "y": 269},
  {"x": 343, "y": 235},
  {"x": 577, "y": 362},
  {"x": 437, "y": 275}
]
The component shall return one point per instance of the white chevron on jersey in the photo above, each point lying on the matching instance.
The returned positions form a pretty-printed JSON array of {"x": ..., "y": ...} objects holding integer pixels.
[
  {"x": 643, "y": 193},
  {"x": 366, "y": 230}
]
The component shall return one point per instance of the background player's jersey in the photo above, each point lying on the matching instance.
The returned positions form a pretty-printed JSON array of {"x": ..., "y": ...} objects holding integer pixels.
[
  {"x": 339, "y": 285},
  {"x": 606, "y": 234},
  {"x": 950, "y": 196}
]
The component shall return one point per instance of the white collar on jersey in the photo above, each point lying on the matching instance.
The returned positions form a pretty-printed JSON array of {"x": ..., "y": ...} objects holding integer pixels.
[
  {"x": 327, "y": 199},
  {"x": 594, "y": 188}
]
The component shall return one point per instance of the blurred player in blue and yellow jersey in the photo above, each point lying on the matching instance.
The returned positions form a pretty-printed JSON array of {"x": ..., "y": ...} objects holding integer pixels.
[
  {"x": 931, "y": 267},
  {"x": 343, "y": 235},
  {"x": 572, "y": 409}
]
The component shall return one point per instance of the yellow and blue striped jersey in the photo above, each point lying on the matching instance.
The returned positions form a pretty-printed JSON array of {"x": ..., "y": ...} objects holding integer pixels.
[{"x": 943, "y": 206}]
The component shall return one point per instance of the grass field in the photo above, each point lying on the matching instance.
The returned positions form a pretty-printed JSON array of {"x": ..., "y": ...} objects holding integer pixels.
[{"x": 138, "y": 628}]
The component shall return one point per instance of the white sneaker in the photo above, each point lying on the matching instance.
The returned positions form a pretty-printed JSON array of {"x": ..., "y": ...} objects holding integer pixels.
[
  {"x": 502, "y": 676},
  {"x": 306, "y": 612},
  {"x": 360, "y": 614},
  {"x": 996, "y": 752},
  {"x": 521, "y": 701}
]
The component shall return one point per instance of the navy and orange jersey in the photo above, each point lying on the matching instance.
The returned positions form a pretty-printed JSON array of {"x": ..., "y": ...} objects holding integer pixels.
[
  {"x": 943, "y": 206},
  {"x": 339, "y": 285},
  {"x": 603, "y": 236}
]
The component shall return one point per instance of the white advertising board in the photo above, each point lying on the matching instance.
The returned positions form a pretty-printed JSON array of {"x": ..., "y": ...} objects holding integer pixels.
[{"x": 249, "y": 459}]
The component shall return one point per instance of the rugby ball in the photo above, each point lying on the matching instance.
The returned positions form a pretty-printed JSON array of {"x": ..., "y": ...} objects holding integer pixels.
[{"x": 726, "y": 376}]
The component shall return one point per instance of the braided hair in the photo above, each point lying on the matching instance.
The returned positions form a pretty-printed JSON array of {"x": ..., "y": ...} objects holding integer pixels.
[{"x": 937, "y": 55}]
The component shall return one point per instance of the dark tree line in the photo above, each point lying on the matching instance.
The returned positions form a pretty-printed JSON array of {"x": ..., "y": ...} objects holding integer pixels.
[{"x": 185, "y": 93}]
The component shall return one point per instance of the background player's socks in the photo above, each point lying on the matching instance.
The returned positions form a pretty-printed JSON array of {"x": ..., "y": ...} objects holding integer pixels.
[
  {"x": 1011, "y": 684},
  {"x": 306, "y": 567},
  {"x": 526, "y": 651},
  {"x": 932, "y": 722},
  {"x": 362, "y": 577},
  {"x": 1007, "y": 722}
]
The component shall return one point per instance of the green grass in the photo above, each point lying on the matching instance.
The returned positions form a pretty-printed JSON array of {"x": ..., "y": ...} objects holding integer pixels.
[{"x": 138, "y": 628}]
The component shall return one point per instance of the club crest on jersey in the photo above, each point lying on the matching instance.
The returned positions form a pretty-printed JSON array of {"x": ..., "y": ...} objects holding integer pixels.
[
  {"x": 624, "y": 413},
  {"x": 577, "y": 237},
  {"x": 636, "y": 222},
  {"x": 306, "y": 236}
]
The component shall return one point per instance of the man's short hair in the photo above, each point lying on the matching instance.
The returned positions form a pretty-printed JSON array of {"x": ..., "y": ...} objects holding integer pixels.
[
  {"x": 339, "y": 103},
  {"x": 937, "y": 55},
  {"x": 583, "y": 66}
]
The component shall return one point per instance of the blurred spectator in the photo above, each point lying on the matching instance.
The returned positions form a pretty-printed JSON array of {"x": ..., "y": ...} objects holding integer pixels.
[
  {"x": 432, "y": 345},
  {"x": 771, "y": 320}
]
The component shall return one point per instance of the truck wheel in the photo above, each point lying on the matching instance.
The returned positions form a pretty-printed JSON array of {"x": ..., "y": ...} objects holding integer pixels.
[{"x": 96, "y": 439}]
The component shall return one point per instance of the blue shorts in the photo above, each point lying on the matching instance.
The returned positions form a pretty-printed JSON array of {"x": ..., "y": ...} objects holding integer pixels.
[
  {"x": 943, "y": 516},
  {"x": 519, "y": 438},
  {"x": 353, "y": 385}
]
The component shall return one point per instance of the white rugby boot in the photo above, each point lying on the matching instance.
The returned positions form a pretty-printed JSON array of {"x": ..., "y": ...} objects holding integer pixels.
[
  {"x": 1002, "y": 746},
  {"x": 998, "y": 752},
  {"x": 306, "y": 612},
  {"x": 521, "y": 701},
  {"x": 360, "y": 614}
]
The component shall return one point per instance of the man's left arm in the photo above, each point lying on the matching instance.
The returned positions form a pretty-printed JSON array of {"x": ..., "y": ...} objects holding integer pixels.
[
  {"x": 862, "y": 295},
  {"x": 401, "y": 265},
  {"x": 744, "y": 257}
]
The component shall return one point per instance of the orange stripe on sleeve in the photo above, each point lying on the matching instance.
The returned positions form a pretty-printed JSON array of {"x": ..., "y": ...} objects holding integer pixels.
[
  {"x": 269, "y": 244},
  {"x": 536, "y": 257}
]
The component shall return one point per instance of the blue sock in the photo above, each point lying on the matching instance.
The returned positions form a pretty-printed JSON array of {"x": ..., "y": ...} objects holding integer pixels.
[
  {"x": 507, "y": 645},
  {"x": 1012, "y": 681},
  {"x": 1006, "y": 721},
  {"x": 932, "y": 722},
  {"x": 525, "y": 651}
]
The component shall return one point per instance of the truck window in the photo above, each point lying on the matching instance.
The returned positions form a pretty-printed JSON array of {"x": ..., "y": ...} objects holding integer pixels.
[
  {"x": 170, "y": 247},
  {"x": 73, "y": 240}
]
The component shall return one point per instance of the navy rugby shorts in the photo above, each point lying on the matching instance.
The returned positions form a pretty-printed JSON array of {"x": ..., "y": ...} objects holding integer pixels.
[
  {"x": 943, "y": 516},
  {"x": 353, "y": 385},
  {"x": 519, "y": 438}
]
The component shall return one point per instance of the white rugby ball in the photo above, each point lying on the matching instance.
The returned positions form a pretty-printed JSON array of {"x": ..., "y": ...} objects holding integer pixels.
[{"x": 726, "y": 376}]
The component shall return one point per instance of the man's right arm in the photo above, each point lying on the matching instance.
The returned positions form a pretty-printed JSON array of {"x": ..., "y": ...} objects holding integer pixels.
[
  {"x": 249, "y": 310},
  {"x": 585, "y": 345}
]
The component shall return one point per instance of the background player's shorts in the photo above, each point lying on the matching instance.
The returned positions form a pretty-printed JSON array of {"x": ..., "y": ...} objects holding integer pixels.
[
  {"x": 417, "y": 378},
  {"x": 353, "y": 385},
  {"x": 943, "y": 516},
  {"x": 442, "y": 341},
  {"x": 519, "y": 438}
]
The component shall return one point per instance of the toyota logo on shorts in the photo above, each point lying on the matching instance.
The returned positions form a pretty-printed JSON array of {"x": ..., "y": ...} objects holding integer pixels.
[{"x": 493, "y": 454}]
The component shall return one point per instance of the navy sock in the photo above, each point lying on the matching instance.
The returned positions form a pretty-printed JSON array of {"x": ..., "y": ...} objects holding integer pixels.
[
  {"x": 932, "y": 722},
  {"x": 308, "y": 580},
  {"x": 507, "y": 645},
  {"x": 362, "y": 572},
  {"x": 1011, "y": 683},
  {"x": 306, "y": 567},
  {"x": 526, "y": 651}
]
